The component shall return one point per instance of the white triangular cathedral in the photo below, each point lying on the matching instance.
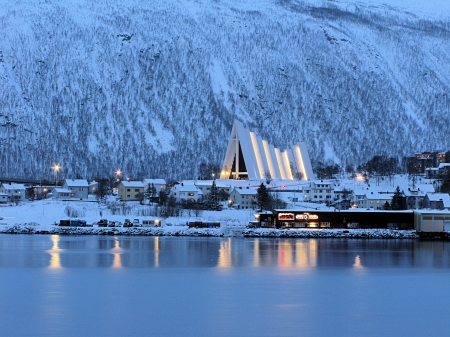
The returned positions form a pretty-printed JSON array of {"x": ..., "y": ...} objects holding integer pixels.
[{"x": 250, "y": 157}]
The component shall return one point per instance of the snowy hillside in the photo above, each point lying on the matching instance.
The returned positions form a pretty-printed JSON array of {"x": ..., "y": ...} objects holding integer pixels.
[{"x": 153, "y": 87}]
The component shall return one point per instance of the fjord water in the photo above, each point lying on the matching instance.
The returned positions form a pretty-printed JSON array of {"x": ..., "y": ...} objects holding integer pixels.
[{"x": 199, "y": 286}]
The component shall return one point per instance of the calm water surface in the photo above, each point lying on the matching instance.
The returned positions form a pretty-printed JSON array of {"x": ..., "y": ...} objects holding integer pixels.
[{"x": 185, "y": 286}]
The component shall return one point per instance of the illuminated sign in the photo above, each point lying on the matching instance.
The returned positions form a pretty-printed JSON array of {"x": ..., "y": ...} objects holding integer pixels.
[
  {"x": 306, "y": 216},
  {"x": 286, "y": 216}
]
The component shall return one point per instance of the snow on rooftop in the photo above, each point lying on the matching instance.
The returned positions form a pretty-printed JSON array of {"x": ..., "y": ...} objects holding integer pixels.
[
  {"x": 440, "y": 196},
  {"x": 132, "y": 183},
  {"x": 155, "y": 181},
  {"x": 13, "y": 186},
  {"x": 77, "y": 182},
  {"x": 245, "y": 191}
]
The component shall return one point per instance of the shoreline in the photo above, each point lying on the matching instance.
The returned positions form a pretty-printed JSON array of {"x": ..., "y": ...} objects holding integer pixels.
[{"x": 34, "y": 228}]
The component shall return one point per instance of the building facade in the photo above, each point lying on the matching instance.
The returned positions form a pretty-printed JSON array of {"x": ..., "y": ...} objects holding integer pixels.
[
  {"x": 131, "y": 190},
  {"x": 243, "y": 198},
  {"x": 14, "y": 192},
  {"x": 250, "y": 157}
]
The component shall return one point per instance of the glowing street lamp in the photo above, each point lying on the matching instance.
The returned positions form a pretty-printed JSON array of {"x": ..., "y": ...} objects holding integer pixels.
[
  {"x": 56, "y": 168},
  {"x": 118, "y": 173}
]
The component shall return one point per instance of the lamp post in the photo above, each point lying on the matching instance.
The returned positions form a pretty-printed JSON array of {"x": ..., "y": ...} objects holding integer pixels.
[{"x": 214, "y": 188}]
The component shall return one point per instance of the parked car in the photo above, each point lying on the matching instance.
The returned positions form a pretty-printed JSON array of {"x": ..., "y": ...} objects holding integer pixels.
[
  {"x": 127, "y": 223},
  {"x": 102, "y": 223}
]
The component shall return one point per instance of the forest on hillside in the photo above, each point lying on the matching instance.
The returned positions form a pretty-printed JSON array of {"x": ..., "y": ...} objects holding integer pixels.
[{"x": 153, "y": 88}]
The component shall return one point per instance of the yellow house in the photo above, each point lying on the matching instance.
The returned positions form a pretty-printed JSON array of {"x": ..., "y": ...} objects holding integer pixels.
[{"x": 131, "y": 190}]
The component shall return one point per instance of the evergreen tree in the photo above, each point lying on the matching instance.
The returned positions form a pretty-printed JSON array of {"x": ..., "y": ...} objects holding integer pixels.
[
  {"x": 162, "y": 197},
  {"x": 102, "y": 190},
  {"x": 213, "y": 196},
  {"x": 386, "y": 206},
  {"x": 263, "y": 197},
  {"x": 398, "y": 200},
  {"x": 150, "y": 192}
]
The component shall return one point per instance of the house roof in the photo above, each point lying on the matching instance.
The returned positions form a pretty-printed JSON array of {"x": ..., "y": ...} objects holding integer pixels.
[
  {"x": 155, "y": 181},
  {"x": 77, "y": 183},
  {"x": 438, "y": 197},
  {"x": 13, "y": 186},
  {"x": 132, "y": 183},
  {"x": 187, "y": 188},
  {"x": 245, "y": 191},
  {"x": 428, "y": 188},
  {"x": 379, "y": 196}
]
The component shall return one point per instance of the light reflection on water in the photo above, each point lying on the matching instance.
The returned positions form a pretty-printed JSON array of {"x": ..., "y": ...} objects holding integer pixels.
[
  {"x": 55, "y": 252},
  {"x": 194, "y": 286}
]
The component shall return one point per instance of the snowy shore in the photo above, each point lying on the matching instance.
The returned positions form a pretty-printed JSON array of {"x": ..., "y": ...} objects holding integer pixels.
[
  {"x": 40, "y": 217},
  {"x": 33, "y": 228}
]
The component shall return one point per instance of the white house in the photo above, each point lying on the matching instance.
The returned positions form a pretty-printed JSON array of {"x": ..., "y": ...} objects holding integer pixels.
[
  {"x": 15, "y": 192},
  {"x": 376, "y": 200},
  {"x": 78, "y": 189},
  {"x": 221, "y": 185},
  {"x": 158, "y": 184},
  {"x": 243, "y": 198},
  {"x": 184, "y": 192},
  {"x": 60, "y": 193},
  {"x": 319, "y": 191}
]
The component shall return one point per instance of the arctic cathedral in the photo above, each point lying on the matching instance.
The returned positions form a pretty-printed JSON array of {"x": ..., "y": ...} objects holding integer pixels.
[{"x": 250, "y": 157}]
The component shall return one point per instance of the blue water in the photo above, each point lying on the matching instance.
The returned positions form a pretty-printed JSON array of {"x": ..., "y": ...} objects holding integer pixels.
[{"x": 148, "y": 286}]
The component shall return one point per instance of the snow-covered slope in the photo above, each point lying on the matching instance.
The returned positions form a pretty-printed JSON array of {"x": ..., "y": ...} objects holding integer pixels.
[{"x": 153, "y": 87}]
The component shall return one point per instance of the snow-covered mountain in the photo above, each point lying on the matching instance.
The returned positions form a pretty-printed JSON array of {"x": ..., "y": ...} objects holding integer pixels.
[{"x": 153, "y": 87}]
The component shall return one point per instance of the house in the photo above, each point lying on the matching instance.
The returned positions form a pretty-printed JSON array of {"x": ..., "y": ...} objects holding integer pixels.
[
  {"x": 41, "y": 192},
  {"x": 3, "y": 198},
  {"x": 15, "y": 192},
  {"x": 432, "y": 172},
  {"x": 319, "y": 191},
  {"x": 60, "y": 193},
  {"x": 358, "y": 198},
  {"x": 436, "y": 201},
  {"x": 93, "y": 186},
  {"x": 243, "y": 198},
  {"x": 72, "y": 189},
  {"x": 131, "y": 190},
  {"x": 158, "y": 184},
  {"x": 376, "y": 200},
  {"x": 443, "y": 169},
  {"x": 186, "y": 193},
  {"x": 223, "y": 188},
  {"x": 415, "y": 195}
]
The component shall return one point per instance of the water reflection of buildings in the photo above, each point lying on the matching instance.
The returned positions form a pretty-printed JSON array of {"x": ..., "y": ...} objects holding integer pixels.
[
  {"x": 225, "y": 254},
  {"x": 358, "y": 264},
  {"x": 287, "y": 253},
  {"x": 297, "y": 254},
  {"x": 156, "y": 251},
  {"x": 117, "y": 251},
  {"x": 56, "y": 252}
]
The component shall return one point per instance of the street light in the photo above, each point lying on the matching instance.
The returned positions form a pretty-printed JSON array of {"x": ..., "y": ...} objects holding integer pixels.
[
  {"x": 56, "y": 168},
  {"x": 118, "y": 173}
]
